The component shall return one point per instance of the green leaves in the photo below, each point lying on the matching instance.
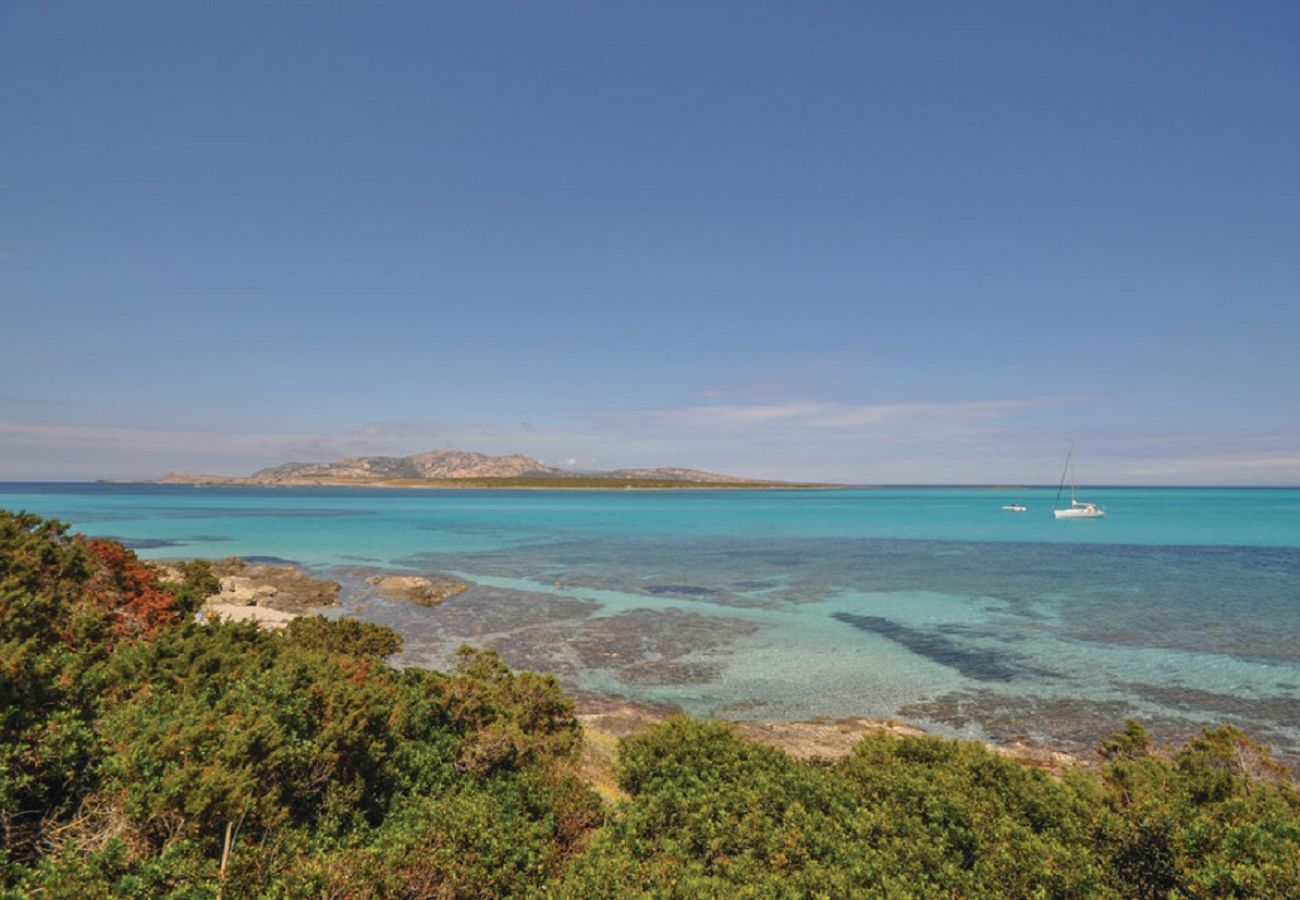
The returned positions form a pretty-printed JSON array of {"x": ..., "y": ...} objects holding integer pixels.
[
  {"x": 508, "y": 720},
  {"x": 131, "y": 739},
  {"x": 347, "y": 636},
  {"x": 1217, "y": 818},
  {"x": 713, "y": 815}
]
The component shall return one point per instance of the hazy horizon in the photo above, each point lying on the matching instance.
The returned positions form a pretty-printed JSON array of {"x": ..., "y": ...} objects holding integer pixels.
[
  {"x": 930, "y": 243},
  {"x": 569, "y": 465}
]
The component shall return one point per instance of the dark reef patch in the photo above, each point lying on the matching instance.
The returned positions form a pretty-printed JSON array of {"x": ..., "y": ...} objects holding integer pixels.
[
  {"x": 1077, "y": 725},
  {"x": 1251, "y": 712},
  {"x": 686, "y": 590},
  {"x": 981, "y": 665},
  {"x": 270, "y": 560},
  {"x": 562, "y": 635},
  {"x": 159, "y": 543},
  {"x": 647, "y": 634},
  {"x": 195, "y": 512},
  {"x": 483, "y": 611},
  {"x": 141, "y": 543}
]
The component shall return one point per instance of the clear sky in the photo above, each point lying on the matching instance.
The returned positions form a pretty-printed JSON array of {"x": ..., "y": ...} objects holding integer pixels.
[{"x": 868, "y": 242}]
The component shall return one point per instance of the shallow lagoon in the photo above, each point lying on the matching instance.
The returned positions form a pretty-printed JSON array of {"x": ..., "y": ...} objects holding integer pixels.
[{"x": 1181, "y": 608}]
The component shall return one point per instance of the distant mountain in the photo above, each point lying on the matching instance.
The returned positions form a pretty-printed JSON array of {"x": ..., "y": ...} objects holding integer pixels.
[
  {"x": 441, "y": 465},
  {"x": 438, "y": 465}
]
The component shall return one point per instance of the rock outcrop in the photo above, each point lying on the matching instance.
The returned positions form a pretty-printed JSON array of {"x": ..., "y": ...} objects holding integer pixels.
[
  {"x": 425, "y": 590},
  {"x": 285, "y": 588},
  {"x": 271, "y": 595}
]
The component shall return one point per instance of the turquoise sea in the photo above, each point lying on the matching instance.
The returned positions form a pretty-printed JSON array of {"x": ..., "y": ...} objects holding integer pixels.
[{"x": 1181, "y": 608}]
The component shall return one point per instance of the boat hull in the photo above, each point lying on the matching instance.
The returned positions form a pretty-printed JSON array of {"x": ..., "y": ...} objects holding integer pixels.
[{"x": 1079, "y": 513}]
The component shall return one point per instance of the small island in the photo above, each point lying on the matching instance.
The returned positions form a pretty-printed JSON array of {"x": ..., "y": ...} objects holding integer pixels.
[{"x": 465, "y": 469}]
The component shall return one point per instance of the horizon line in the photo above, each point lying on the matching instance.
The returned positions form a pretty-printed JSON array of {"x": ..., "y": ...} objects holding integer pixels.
[{"x": 775, "y": 484}]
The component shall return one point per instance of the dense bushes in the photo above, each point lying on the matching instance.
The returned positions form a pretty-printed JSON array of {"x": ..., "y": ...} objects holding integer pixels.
[
  {"x": 66, "y": 606},
  {"x": 143, "y": 755},
  {"x": 713, "y": 815}
]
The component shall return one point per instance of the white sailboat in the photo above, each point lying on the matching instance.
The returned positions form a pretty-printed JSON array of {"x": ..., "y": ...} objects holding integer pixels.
[{"x": 1078, "y": 509}]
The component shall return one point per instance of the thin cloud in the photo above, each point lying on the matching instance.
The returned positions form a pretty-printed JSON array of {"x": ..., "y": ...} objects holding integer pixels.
[
  {"x": 918, "y": 419},
  {"x": 64, "y": 436},
  {"x": 1262, "y": 468}
]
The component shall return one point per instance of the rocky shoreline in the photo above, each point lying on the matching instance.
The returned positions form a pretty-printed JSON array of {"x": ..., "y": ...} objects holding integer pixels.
[
  {"x": 606, "y": 719},
  {"x": 273, "y": 594}
]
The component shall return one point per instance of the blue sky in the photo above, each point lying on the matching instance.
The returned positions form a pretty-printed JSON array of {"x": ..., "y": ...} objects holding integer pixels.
[{"x": 868, "y": 242}]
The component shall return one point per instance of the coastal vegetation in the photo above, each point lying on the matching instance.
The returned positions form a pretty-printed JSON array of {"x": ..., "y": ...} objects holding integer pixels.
[{"x": 143, "y": 755}]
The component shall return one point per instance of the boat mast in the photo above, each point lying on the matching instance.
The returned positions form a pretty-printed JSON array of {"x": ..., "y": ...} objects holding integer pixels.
[{"x": 1060, "y": 487}]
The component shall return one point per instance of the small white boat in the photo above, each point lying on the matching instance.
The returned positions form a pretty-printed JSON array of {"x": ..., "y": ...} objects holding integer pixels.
[
  {"x": 1078, "y": 509},
  {"x": 1015, "y": 507}
]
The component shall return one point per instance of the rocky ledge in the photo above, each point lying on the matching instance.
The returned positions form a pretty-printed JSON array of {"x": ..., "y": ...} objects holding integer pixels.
[
  {"x": 282, "y": 587},
  {"x": 273, "y": 594},
  {"x": 426, "y": 590},
  {"x": 270, "y": 594}
]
